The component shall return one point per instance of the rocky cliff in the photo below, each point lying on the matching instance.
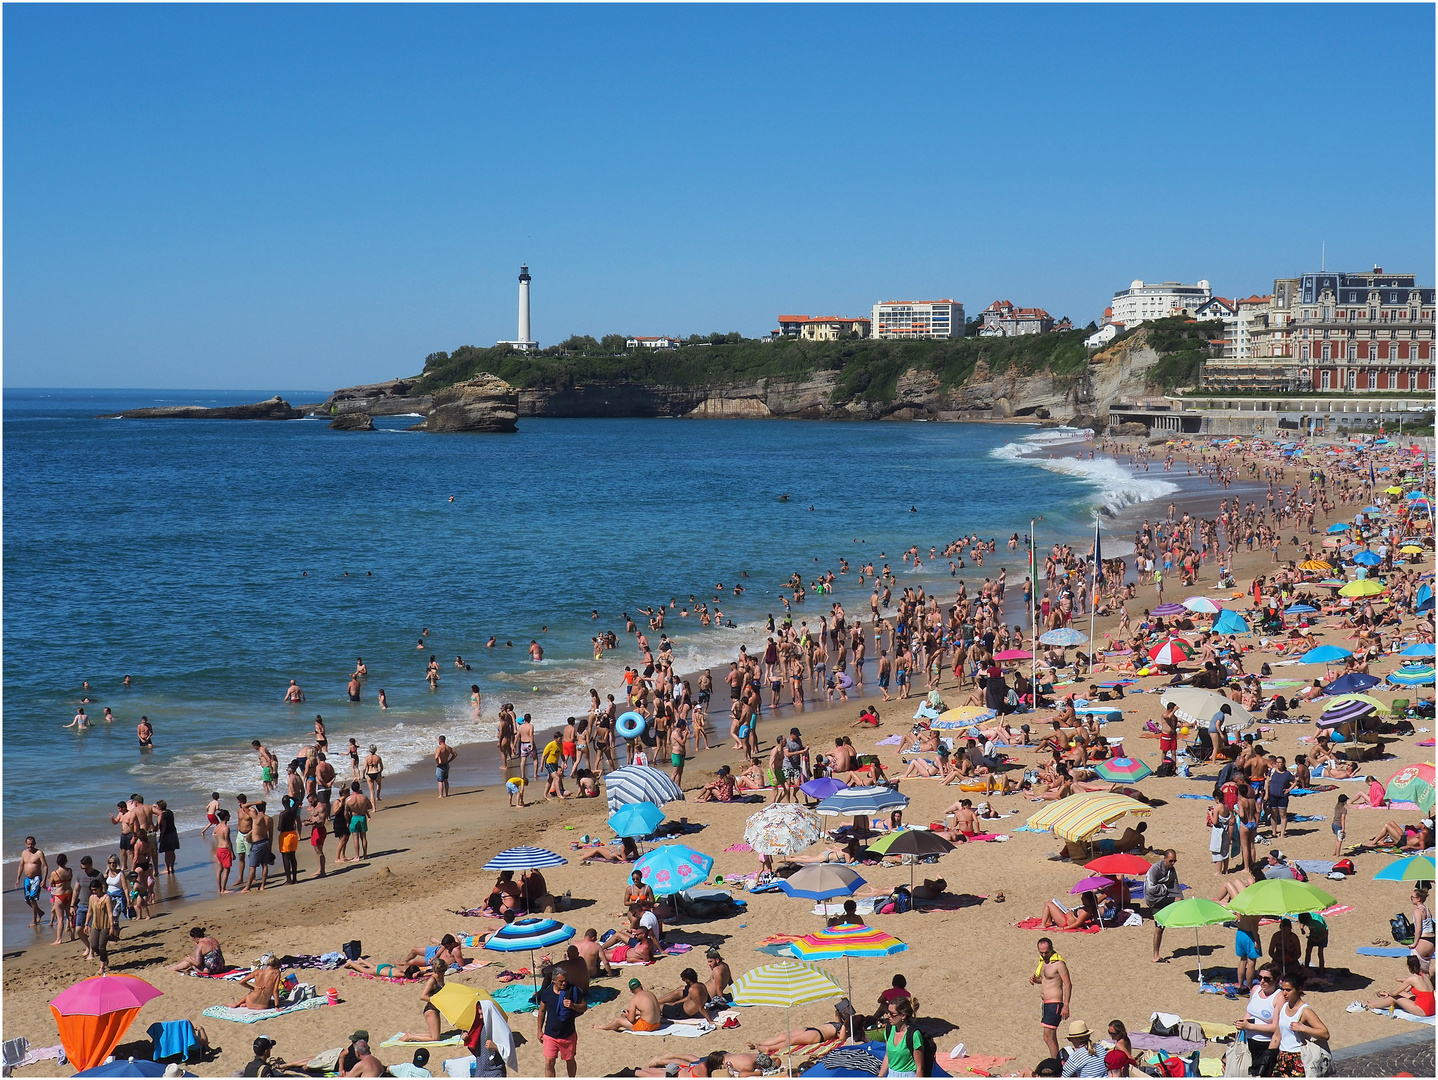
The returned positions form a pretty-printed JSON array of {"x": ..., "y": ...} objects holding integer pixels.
[
  {"x": 1085, "y": 393},
  {"x": 352, "y": 420},
  {"x": 484, "y": 403},
  {"x": 276, "y": 408}
]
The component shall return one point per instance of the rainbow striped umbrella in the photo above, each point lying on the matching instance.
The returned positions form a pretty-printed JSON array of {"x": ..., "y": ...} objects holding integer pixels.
[
  {"x": 1122, "y": 770},
  {"x": 1078, "y": 817},
  {"x": 1171, "y": 652},
  {"x": 835, "y": 941}
]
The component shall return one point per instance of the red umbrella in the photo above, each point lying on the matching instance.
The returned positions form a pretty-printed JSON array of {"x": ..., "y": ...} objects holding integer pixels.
[
  {"x": 1170, "y": 652},
  {"x": 1122, "y": 865},
  {"x": 93, "y": 1015}
]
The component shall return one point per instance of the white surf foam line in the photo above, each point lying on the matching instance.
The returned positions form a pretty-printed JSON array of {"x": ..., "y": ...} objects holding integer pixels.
[{"x": 1116, "y": 486}]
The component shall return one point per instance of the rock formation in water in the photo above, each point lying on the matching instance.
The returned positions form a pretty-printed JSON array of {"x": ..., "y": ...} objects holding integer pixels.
[
  {"x": 276, "y": 408},
  {"x": 483, "y": 403},
  {"x": 352, "y": 421}
]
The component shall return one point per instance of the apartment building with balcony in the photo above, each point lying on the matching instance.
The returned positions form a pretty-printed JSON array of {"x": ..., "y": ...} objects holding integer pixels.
[
  {"x": 909, "y": 320},
  {"x": 822, "y": 327},
  {"x": 1144, "y": 301}
]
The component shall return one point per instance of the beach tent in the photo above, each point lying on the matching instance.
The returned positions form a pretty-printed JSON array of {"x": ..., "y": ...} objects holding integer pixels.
[
  {"x": 1412, "y": 783},
  {"x": 784, "y": 985},
  {"x": 639, "y": 783},
  {"x": 1230, "y": 622},
  {"x": 94, "y": 1014},
  {"x": 1079, "y": 817}
]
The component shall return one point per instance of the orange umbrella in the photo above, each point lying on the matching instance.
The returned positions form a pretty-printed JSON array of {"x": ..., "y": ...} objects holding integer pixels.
[{"x": 93, "y": 1016}]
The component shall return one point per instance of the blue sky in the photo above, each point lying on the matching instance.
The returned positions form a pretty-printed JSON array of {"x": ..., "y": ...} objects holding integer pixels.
[{"x": 254, "y": 197}]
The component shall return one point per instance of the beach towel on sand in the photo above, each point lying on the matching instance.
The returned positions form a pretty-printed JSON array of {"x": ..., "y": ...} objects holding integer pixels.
[
  {"x": 254, "y": 1016},
  {"x": 685, "y": 1029},
  {"x": 519, "y": 997},
  {"x": 1036, "y": 922},
  {"x": 1381, "y": 950},
  {"x": 397, "y": 1039}
]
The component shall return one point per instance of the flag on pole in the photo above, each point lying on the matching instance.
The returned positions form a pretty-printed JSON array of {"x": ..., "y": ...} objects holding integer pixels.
[
  {"x": 1372, "y": 479},
  {"x": 1097, "y": 553}
]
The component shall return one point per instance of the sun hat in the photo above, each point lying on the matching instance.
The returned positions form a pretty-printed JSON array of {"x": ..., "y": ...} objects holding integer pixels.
[
  {"x": 359, "y": 1036},
  {"x": 1078, "y": 1030}
]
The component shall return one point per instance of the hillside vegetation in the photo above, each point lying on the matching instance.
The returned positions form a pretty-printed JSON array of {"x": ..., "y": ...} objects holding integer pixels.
[{"x": 868, "y": 369}]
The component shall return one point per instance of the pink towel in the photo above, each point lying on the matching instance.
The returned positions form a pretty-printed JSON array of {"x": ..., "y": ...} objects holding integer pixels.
[{"x": 970, "y": 1064}]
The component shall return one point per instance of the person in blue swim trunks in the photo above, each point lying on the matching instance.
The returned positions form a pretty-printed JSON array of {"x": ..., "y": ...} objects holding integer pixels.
[{"x": 1248, "y": 947}]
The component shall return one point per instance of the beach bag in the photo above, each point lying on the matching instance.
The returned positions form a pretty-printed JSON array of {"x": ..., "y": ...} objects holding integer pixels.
[
  {"x": 1191, "y": 1031},
  {"x": 1345, "y": 866},
  {"x": 1402, "y": 927},
  {"x": 1237, "y": 1059},
  {"x": 1166, "y": 768},
  {"x": 1317, "y": 1061},
  {"x": 352, "y": 950},
  {"x": 1164, "y": 1025},
  {"x": 1171, "y": 1066}
]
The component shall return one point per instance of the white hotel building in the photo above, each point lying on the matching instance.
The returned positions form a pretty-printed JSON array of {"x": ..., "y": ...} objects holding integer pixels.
[
  {"x": 908, "y": 320},
  {"x": 1144, "y": 301}
]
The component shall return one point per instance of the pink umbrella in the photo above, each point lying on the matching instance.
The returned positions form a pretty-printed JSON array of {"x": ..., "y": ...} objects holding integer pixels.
[
  {"x": 1013, "y": 654},
  {"x": 1094, "y": 883}
]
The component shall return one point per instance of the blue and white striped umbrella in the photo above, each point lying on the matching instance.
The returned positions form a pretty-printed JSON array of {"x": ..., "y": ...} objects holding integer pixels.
[
  {"x": 639, "y": 783},
  {"x": 525, "y": 858},
  {"x": 528, "y": 935},
  {"x": 1063, "y": 636},
  {"x": 862, "y": 800},
  {"x": 1412, "y": 675}
]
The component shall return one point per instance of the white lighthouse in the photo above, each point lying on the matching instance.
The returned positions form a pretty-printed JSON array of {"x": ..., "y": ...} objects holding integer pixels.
[{"x": 524, "y": 343}]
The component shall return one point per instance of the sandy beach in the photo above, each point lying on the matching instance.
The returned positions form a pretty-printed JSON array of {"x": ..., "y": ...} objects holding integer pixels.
[{"x": 969, "y": 966}]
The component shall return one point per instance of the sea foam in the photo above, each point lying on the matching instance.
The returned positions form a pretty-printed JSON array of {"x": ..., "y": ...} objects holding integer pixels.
[{"x": 1115, "y": 485}]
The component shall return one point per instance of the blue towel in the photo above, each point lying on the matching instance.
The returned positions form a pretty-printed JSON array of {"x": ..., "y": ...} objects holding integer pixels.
[
  {"x": 1191, "y": 795},
  {"x": 1386, "y": 950},
  {"x": 519, "y": 997},
  {"x": 171, "y": 1038},
  {"x": 1314, "y": 866},
  {"x": 1308, "y": 817}
]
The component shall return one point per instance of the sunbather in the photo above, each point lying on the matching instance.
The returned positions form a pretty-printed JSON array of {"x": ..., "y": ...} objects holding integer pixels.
[
  {"x": 1414, "y": 993},
  {"x": 1407, "y": 837},
  {"x": 838, "y": 1028},
  {"x": 685, "y": 1065},
  {"x": 263, "y": 985},
  {"x": 1065, "y": 918}
]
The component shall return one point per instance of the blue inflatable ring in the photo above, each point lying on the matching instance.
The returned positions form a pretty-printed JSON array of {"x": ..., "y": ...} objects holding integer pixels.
[{"x": 630, "y": 725}]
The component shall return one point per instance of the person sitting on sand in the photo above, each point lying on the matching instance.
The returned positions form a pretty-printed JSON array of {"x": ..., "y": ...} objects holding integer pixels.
[
  {"x": 432, "y": 1019},
  {"x": 1375, "y": 796},
  {"x": 930, "y": 889},
  {"x": 505, "y": 894},
  {"x": 1407, "y": 837},
  {"x": 752, "y": 778},
  {"x": 868, "y": 717},
  {"x": 208, "y": 959},
  {"x": 688, "y": 1001},
  {"x": 1061, "y": 788},
  {"x": 1241, "y": 880},
  {"x": 263, "y": 985},
  {"x": 966, "y": 821},
  {"x": 1057, "y": 915},
  {"x": 446, "y": 948},
  {"x": 1413, "y": 994},
  {"x": 838, "y": 1028},
  {"x": 848, "y": 917},
  {"x": 922, "y": 739},
  {"x": 638, "y": 948},
  {"x": 720, "y": 789},
  {"x": 922, "y": 768},
  {"x": 641, "y": 1014}
]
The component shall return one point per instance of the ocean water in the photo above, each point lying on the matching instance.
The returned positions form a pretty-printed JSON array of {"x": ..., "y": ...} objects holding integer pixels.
[{"x": 213, "y": 561}]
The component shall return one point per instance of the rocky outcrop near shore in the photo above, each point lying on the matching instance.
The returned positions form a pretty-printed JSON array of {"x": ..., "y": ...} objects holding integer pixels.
[
  {"x": 352, "y": 421},
  {"x": 392, "y": 398},
  {"x": 483, "y": 403},
  {"x": 276, "y": 408}
]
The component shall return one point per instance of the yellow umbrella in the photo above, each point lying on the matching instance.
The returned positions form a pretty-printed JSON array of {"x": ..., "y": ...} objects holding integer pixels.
[
  {"x": 1393, "y": 491},
  {"x": 1411, "y": 549},
  {"x": 1078, "y": 817},
  {"x": 459, "y": 1003},
  {"x": 964, "y": 714},
  {"x": 1356, "y": 697},
  {"x": 1362, "y": 587},
  {"x": 1315, "y": 564}
]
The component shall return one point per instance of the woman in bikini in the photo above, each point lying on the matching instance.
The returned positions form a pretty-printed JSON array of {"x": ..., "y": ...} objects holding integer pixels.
[
  {"x": 385, "y": 971},
  {"x": 433, "y": 1022},
  {"x": 374, "y": 773},
  {"x": 1413, "y": 995},
  {"x": 1056, "y": 915},
  {"x": 838, "y": 1028}
]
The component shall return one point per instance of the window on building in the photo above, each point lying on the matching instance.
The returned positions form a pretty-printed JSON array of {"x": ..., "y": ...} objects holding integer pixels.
[
  {"x": 1393, "y": 380},
  {"x": 1325, "y": 379},
  {"x": 1413, "y": 380},
  {"x": 1326, "y": 351},
  {"x": 1352, "y": 351},
  {"x": 1305, "y": 352},
  {"x": 1373, "y": 380}
]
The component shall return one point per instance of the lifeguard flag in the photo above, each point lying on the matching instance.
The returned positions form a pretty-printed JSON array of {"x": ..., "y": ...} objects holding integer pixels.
[{"x": 1097, "y": 553}]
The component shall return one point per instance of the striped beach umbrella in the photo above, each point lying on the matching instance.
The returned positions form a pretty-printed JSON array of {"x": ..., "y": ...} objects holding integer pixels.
[
  {"x": 963, "y": 716},
  {"x": 1078, "y": 817},
  {"x": 1412, "y": 675},
  {"x": 636, "y": 819},
  {"x": 847, "y": 941},
  {"x": 1122, "y": 770},
  {"x": 1411, "y": 868},
  {"x": 783, "y": 828},
  {"x": 673, "y": 867},
  {"x": 1171, "y": 652},
  {"x": 530, "y": 935},
  {"x": 784, "y": 985},
  {"x": 1324, "y": 654},
  {"x": 1201, "y": 604},
  {"x": 860, "y": 801},
  {"x": 1063, "y": 636},
  {"x": 639, "y": 783},
  {"x": 1344, "y": 712},
  {"x": 1412, "y": 783},
  {"x": 525, "y": 858},
  {"x": 822, "y": 881},
  {"x": 1164, "y": 611},
  {"x": 1300, "y": 609},
  {"x": 1367, "y": 699},
  {"x": 1316, "y": 566}
]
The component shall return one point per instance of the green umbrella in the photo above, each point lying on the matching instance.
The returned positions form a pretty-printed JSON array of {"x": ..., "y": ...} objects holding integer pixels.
[
  {"x": 1196, "y": 911},
  {"x": 1280, "y": 896}
]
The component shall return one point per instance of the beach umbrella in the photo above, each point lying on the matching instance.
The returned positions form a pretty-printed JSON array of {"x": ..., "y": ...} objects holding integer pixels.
[
  {"x": 1353, "y": 682},
  {"x": 912, "y": 842},
  {"x": 1202, "y": 604},
  {"x": 1196, "y": 911},
  {"x": 821, "y": 787},
  {"x": 782, "y": 829},
  {"x": 1122, "y": 865},
  {"x": 1366, "y": 558},
  {"x": 1345, "y": 712},
  {"x": 1365, "y": 698},
  {"x": 963, "y": 716},
  {"x": 1316, "y": 565},
  {"x": 1171, "y": 652},
  {"x": 1412, "y": 675},
  {"x": 530, "y": 934},
  {"x": 1163, "y": 611},
  {"x": 784, "y": 985},
  {"x": 1411, "y": 549},
  {"x": 1197, "y": 706},
  {"x": 636, "y": 819},
  {"x": 1095, "y": 882},
  {"x": 1300, "y": 609},
  {"x": 1412, "y": 783},
  {"x": 1324, "y": 654},
  {"x": 1342, "y": 526},
  {"x": 671, "y": 868},
  {"x": 861, "y": 801},
  {"x": 847, "y": 941},
  {"x": 459, "y": 1003},
  {"x": 1231, "y": 622},
  {"x": 639, "y": 783},
  {"x": 1410, "y": 868},
  {"x": 1419, "y": 648},
  {"x": 94, "y": 1014},
  {"x": 1362, "y": 587},
  {"x": 129, "y": 1067},
  {"x": 1078, "y": 817},
  {"x": 1063, "y": 636},
  {"x": 525, "y": 858},
  {"x": 1281, "y": 897},
  {"x": 1122, "y": 770},
  {"x": 822, "y": 881},
  {"x": 1423, "y": 598},
  {"x": 1013, "y": 654}
]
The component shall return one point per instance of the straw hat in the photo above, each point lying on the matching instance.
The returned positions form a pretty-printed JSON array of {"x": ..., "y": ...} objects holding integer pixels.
[{"x": 1079, "y": 1030}]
